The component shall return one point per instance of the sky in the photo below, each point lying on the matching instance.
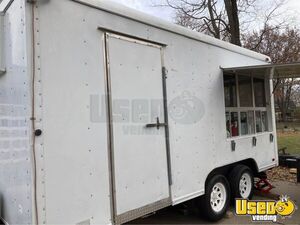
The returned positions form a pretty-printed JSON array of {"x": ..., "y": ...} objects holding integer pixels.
[
  {"x": 293, "y": 6},
  {"x": 146, "y": 6}
]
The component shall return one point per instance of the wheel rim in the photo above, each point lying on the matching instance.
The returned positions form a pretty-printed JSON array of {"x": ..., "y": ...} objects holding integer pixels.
[
  {"x": 245, "y": 185},
  {"x": 218, "y": 197}
]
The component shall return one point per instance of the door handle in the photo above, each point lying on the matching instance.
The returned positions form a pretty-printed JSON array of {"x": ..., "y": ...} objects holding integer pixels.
[{"x": 157, "y": 124}]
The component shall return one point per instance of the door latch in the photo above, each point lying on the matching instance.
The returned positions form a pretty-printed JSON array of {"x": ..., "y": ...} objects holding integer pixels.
[{"x": 157, "y": 124}]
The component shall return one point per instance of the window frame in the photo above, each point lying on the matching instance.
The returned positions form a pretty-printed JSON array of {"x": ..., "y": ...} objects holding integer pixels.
[
  {"x": 2, "y": 55},
  {"x": 240, "y": 109}
]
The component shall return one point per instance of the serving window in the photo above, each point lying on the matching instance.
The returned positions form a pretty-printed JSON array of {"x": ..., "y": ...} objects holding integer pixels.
[
  {"x": 248, "y": 96},
  {"x": 245, "y": 91},
  {"x": 245, "y": 101},
  {"x": 259, "y": 92}
]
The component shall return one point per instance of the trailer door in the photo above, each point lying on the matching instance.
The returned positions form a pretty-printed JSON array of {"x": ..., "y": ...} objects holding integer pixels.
[{"x": 139, "y": 155}]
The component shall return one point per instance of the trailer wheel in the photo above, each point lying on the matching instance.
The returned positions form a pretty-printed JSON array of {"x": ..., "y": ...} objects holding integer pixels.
[
  {"x": 215, "y": 202},
  {"x": 241, "y": 182}
]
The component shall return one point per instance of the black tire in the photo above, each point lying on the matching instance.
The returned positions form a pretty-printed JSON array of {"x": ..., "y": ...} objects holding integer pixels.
[
  {"x": 205, "y": 204},
  {"x": 234, "y": 179}
]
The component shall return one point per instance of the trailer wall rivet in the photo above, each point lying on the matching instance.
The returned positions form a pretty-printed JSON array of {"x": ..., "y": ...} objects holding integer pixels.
[{"x": 38, "y": 132}]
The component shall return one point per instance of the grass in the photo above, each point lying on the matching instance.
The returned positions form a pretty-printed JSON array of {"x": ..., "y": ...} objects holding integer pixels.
[{"x": 290, "y": 140}]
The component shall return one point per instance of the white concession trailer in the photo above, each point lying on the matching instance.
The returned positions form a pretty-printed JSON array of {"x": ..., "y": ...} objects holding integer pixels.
[{"x": 107, "y": 115}]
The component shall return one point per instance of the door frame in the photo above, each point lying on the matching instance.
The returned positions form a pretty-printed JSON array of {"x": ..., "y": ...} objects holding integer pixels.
[{"x": 136, "y": 213}]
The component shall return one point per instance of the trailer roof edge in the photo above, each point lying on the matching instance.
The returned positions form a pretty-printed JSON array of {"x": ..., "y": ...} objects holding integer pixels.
[
  {"x": 4, "y": 5},
  {"x": 281, "y": 70},
  {"x": 153, "y": 21}
]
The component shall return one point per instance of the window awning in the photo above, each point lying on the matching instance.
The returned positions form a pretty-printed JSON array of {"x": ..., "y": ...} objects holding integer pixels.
[{"x": 289, "y": 70}]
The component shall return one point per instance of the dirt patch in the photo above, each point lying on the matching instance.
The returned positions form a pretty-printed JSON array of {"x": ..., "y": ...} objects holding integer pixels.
[
  {"x": 281, "y": 174},
  {"x": 288, "y": 133}
]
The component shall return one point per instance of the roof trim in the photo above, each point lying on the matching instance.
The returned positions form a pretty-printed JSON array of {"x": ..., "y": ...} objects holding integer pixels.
[
  {"x": 277, "y": 71},
  {"x": 4, "y": 5},
  {"x": 144, "y": 18}
]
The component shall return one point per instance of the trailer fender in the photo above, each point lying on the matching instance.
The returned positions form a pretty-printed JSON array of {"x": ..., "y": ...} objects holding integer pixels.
[{"x": 225, "y": 170}]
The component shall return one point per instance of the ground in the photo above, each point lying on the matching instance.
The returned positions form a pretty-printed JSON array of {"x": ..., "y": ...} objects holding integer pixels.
[
  {"x": 281, "y": 178},
  {"x": 282, "y": 174},
  {"x": 174, "y": 216},
  {"x": 289, "y": 136},
  {"x": 289, "y": 140},
  {"x": 289, "y": 125}
]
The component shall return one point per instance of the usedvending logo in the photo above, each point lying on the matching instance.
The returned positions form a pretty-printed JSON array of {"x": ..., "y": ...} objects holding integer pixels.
[{"x": 265, "y": 211}]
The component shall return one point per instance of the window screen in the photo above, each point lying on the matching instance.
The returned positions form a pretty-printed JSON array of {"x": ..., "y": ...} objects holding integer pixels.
[
  {"x": 230, "y": 90},
  {"x": 264, "y": 120},
  {"x": 234, "y": 124},
  {"x": 246, "y": 108},
  {"x": 228, "y": 124},
  {"x": 251, "y": 123},
  {"x": 259, "y": 92},
  {"x": 244, "y": 123},
  {"x": 245, "y": 91},
  {"x": 258, "y": 121}
]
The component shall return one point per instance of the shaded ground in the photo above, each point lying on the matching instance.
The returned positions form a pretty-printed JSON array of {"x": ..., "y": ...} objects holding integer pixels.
[
  {"x": 173, "y": 216},
  {"x": 281, "y": 178}
]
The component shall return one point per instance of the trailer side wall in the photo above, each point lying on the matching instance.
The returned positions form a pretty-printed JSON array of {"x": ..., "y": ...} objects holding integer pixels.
[
  {"x": 75, "y": 138},
  {"x": 15, "y": 124}
]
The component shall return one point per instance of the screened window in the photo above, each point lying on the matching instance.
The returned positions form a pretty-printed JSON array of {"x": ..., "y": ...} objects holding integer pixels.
[
  {"x": 259, "y": 92},
  {"x": 234, "y": 124},
  {"x": 251, "y": 122},
  {"x": 261, "y": 118},
  {"x": 245, "y": 101},
  {"x": 230, "y": 91},
  {"x": 247, "y": 123},
  {"x": 258, "y": 121},
  {"x": 245, "y": 91},
  {"x": 244, "y": 123},
  {"x": 264, "y": 120},
  {"x": 228, "y": 124}
]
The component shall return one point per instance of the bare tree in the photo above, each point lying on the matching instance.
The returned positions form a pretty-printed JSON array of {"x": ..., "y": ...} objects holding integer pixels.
[
  {"x": 233, "y": 21},
  {"x": 282, "y": 46},
  {"x": 225, "y": 19},
  {"x": 296, "y": 96}
]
